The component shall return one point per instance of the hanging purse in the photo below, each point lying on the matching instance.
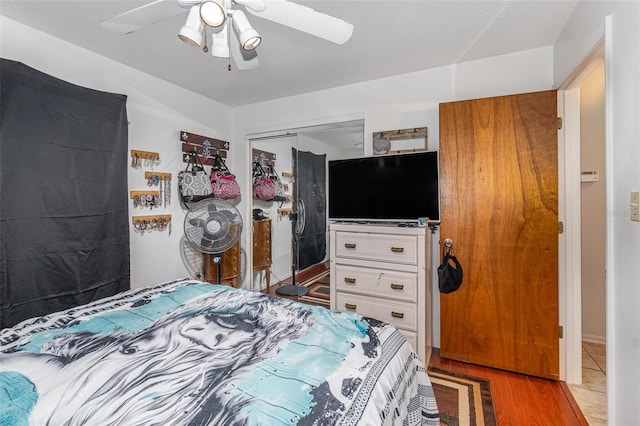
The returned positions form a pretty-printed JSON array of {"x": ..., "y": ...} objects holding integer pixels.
[
  {"x": 193, "y": 182},
  {"x": 449, "y": 275},
  {"x": 263, "y": 187},
  {"x": 280, "y": 192},
  {"x": 223, "y": 182}
]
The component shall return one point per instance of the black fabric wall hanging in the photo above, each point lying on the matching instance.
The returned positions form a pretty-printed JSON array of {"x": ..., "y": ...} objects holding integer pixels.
[
  {"x": 310, "y": 173},
  {"x": 63, "y": 183}
]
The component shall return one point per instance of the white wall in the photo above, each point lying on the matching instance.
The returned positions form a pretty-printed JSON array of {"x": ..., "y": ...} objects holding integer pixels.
[
  {"x": 403, "y": 101},
  {"x": 157, "y": 111},
  {"x": 622, "y": 68},
  {"x": 593, "y": 207}
]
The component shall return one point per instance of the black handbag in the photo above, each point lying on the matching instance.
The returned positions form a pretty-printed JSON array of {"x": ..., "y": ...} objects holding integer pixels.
[
  {"x": 279, "y": 186},
  {"x": 449, "y": 272}
]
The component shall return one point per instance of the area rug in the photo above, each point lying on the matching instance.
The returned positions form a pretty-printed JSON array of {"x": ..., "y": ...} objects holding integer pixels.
[
  {"x": 318, "y": 289},
  {"x": 462, "y": 400}
]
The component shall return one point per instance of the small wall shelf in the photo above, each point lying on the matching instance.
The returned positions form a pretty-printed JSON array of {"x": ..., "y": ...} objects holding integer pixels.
[
  {"x": 145, "y": 155},
  {"x": 403, "y": 140},
  {"x": 151, "y": 218},
  {"x": 148, "y": 223},
  {"x": 134, "y": 194},
  {"x": 161, "y": 175}
]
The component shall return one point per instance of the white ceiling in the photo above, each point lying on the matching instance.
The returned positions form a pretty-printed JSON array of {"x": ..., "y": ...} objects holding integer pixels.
[{"x": 390, "y": 37}]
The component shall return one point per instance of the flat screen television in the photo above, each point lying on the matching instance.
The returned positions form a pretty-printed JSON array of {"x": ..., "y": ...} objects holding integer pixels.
[{"x": 385, "y": 188}]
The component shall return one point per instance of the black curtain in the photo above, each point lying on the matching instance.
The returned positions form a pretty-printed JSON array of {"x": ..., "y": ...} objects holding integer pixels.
[
  {"x": 63, "y": 194},
  {"x": 310, "y": 174}
]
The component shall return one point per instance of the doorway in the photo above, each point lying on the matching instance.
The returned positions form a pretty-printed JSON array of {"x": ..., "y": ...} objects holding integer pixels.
[{"x": 585, "y": 112}]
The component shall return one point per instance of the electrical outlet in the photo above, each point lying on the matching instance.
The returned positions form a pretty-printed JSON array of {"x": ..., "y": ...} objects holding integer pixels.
[{"x": 635, "y": 206}]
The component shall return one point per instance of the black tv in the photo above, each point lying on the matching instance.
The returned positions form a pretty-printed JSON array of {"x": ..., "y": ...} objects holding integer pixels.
[{"x": 385, "y": 188}]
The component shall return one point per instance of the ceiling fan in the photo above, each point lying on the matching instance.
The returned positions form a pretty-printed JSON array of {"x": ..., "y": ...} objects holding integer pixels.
[{"x": 231, "y": 33}]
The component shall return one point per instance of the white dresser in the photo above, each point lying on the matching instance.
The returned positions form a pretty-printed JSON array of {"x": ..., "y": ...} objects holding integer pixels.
[{"x": 382, "y": 271}]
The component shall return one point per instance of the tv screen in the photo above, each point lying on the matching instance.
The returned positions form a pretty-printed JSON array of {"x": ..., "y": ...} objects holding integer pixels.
[{"x": 391, "y": 188}]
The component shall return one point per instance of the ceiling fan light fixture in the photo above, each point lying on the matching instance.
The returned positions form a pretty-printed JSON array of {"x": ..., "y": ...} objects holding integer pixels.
[
  {"x": 191, "y": 32},
  {"x": 220, "y": 42},
  {"x": 248, "y": 36},
  {"x": 250, "y": 39},
  {"x": 212, "y": 12}
]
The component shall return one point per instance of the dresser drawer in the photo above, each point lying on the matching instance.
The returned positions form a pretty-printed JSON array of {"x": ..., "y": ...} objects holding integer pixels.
[
  {"x": 401, "y": 314},
  {"x": 385, "y": 248},
  {"x": 411, "y": 337},
  {"x": 377, "y": 282}
]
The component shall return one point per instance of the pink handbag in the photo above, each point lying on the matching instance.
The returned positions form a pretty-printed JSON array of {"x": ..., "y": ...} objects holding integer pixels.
[
  {"x": 263, "y": 187},
  {"x": 223, "y": 182}
]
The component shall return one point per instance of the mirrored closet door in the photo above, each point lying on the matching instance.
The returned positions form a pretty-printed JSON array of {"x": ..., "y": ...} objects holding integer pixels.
[{"x": 291, "y": 234}]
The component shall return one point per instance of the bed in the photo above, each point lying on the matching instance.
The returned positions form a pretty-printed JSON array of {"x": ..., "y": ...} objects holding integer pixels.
[{"x": 190, "y": 353}]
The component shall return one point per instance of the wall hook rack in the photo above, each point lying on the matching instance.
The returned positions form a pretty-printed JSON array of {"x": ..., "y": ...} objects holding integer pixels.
[
  {"x": 145, "y": 155},
  {"x": 206, "y": 147},
  {"x": 134, "y": 194},
  {"x": 148, "y": 223},
  {"x": 161, "y": 175}
]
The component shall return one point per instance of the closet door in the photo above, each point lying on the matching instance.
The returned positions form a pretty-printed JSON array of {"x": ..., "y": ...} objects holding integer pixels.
[{"x": 499, "y": 205}]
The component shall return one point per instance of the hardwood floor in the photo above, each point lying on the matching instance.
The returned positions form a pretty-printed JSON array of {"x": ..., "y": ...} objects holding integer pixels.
[
  {"x": 518, "y": 399},
  {"x": 301, "y": 276}
]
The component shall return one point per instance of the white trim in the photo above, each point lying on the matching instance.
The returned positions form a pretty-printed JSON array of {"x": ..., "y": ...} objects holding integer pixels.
[
  {"x": 610, "y": 272},
  {"x": 327, "y": 123},
  {"x": 572, "y": 283},
  {"x": 562, "y": 275},
  {"x": 569, "y": 211}
]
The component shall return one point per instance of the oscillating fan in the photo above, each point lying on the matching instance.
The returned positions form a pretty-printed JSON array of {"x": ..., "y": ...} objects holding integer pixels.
[
  {"x": 213, "y": 226},
  {"x": 297, "y": 217},
  {"x": 192, "y": 259}
]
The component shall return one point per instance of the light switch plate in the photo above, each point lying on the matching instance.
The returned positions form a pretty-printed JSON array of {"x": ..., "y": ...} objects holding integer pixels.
[{"x": 635, "y": 206}]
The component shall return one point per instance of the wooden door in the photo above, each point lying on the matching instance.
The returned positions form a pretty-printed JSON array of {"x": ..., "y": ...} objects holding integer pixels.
[{"x": 499, "y": 205}]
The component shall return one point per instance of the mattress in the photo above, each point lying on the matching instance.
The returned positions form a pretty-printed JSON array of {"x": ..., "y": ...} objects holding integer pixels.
[{"x": 190, "y": 353}]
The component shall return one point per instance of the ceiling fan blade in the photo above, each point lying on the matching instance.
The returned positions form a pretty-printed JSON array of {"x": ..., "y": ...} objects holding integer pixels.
[
  {"x": 305, "y": 19},
  {"x": 244, "y": 59},
  {"x": 142, "y": 16}
]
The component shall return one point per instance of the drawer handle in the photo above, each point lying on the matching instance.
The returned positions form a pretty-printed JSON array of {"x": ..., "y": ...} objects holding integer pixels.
[
  {"x": 397, "y": 249},
  {"x": 397, "y": 314},
  {"x": 397, "y": 286},
  {"x": 349, "y": 245},
  {"x": 350, "y": 306},
  {"x": 349, "y": 280}
]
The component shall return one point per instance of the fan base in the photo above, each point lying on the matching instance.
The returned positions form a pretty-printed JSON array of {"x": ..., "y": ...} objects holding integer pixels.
[{"x": 292, "y": 290}]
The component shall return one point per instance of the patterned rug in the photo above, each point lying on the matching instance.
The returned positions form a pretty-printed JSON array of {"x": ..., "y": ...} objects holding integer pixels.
[
  {"x": 462, "y": 400},
  {"x": 318, "y": 290}
]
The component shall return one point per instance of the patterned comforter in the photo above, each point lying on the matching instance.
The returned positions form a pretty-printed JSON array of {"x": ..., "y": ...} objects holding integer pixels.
[{"x": 192, "y": 353}]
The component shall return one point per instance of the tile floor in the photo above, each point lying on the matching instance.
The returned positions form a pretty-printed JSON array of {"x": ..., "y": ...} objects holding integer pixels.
[{"x": 591, "y": 395}]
